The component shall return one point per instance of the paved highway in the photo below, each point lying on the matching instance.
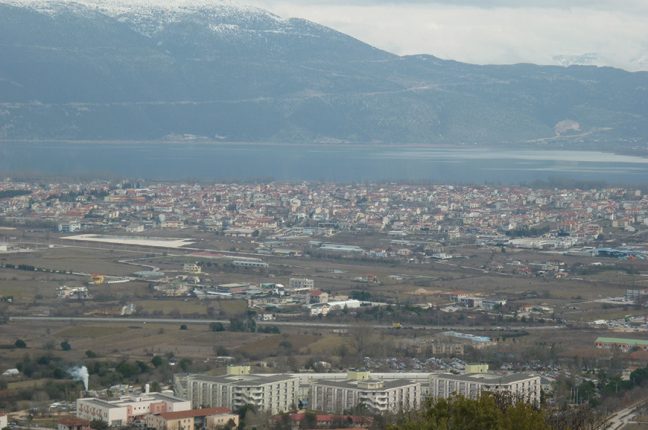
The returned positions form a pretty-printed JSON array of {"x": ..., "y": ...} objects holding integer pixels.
[
  {"x": 277, "y": 323},
  {"x": 622, "y": 418}
]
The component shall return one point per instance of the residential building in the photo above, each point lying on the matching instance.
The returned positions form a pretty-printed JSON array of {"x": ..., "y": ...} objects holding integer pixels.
[
  {"x": 193, "y": 419},
  {"x": 300, "y": 284},
  {"x": 191, "y": 268},
  {"x": 328, "y": 421},
  {"x": 520, "y": 386},
  {"x": 72, "y": 423},
  {"x": 3, "y": 420},
  {"x": 377, "y": 395},
  {"x": 69, "y": 227},
  {"x": 272, "y": 393}
]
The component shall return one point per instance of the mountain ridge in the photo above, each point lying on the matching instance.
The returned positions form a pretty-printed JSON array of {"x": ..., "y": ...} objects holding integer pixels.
[{"x": 224, "y": 72}]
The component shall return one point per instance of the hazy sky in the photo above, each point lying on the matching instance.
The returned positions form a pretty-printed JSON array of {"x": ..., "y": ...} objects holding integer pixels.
[{"x": 610, "y": 32}]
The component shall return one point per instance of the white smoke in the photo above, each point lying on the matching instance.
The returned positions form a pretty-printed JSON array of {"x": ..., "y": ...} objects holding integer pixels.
[{"x": 80, "y": 373}]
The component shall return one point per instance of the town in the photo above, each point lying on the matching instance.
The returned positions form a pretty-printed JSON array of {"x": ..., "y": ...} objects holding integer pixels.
[{"x": 315, "y": 305}]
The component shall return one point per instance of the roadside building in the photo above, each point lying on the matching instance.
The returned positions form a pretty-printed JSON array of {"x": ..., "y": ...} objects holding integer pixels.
[
  {"x": 520, "y": 386},
  {"x": 3, "y": 420}
]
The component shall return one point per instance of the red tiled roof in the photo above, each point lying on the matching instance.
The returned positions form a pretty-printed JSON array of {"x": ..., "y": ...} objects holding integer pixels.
[
  {"x": 72, "y": 421},
  {"x": 326, "y": 418},
  {"x": 194, "y": 413}
]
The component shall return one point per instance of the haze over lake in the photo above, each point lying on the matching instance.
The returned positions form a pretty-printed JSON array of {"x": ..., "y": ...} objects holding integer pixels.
[{"x": 348, "y": 163}]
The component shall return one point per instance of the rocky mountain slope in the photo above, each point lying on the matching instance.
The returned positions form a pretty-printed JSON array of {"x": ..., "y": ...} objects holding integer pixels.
[{"x": 217, "y": 71}]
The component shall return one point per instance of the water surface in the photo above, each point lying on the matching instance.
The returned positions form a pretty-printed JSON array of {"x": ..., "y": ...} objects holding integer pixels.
[{"x": 348, "y": 163}]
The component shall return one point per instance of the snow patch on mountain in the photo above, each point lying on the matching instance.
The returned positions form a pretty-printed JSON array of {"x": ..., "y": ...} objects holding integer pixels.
[
  {"x": 587, "y": 59},
  {"x": 153, "y": 16}
]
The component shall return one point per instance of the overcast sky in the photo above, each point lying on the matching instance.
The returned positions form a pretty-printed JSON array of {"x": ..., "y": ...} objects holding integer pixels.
[{"x": 607, "y": 32}]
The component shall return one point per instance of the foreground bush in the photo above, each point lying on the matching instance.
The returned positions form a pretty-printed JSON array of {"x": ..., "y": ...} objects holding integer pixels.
[{"x": 489, "y": 412}]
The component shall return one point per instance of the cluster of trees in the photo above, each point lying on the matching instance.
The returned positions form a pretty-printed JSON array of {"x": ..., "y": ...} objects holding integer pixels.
[
  {"x": 44, "y": 366},
  {"x": 526, "y": 231},
  {"x": 73, "y": 195},
  {"x": 492, "y": 412},
  {"x": 7, "y": 194},
  {"x": 107, "y": 373},
  {"x": 30, "y": 268},
  {"x": 48, "y": 390}
]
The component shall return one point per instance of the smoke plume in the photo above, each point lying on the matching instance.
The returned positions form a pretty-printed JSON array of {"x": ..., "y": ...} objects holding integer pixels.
[{"x": 80, "y": 373}]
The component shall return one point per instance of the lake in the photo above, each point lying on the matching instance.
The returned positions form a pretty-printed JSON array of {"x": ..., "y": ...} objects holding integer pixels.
[{"x": 348, "y": 163}]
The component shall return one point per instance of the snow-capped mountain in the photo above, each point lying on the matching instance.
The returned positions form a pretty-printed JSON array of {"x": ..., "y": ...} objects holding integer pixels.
[
  {"x": 587, "y": 59},
  {"x": 94, "y": 69}
]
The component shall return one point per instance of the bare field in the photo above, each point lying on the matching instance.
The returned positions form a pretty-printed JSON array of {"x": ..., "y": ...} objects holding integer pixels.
[{"x": 77, "y": 259}]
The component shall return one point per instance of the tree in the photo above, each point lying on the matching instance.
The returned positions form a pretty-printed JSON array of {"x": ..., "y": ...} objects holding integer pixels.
[
  {"x": 20, "y": 343},
  {"x": 310, "y": 420},
  {"x": 98, "y": 425},
  {"x": 183, "y": 327},
  {"x": 156, "y": 387},
  {"x": 157, "y": 361},
  {"x": 216, "y": 326},
  {"x": 489, "y": 412},
  {"x": 220, "y": 350},
  {"x": 65, "y": 345},
  {"x": 184, "y": 364},
  {"x": 91, "y": 354}
]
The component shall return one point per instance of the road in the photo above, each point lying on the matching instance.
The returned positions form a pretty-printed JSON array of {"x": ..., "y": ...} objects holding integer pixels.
[
  {"x": 620, "y": 419},
  {"x": 278, "y": 323}
]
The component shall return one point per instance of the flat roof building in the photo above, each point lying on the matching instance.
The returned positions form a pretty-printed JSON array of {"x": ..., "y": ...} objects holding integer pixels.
[
  {"x": 272, "y": 393},
  {"x": 376, "y": 395},
  {"x": 520, "y": 386},
  {"x": 124, "y": 410}
]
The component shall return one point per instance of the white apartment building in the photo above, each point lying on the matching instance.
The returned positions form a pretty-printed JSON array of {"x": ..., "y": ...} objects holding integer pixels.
[
  {"x": 122, "y": 411},
  {"x": 377, "y": 395},
  {"x": 520, "y": 386},
  {"x": 300, "y": 284},
  {"x": 272, "y": 393},
  {"x": 69, "y": 227},
  {"x": 3, "y": 420}
]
